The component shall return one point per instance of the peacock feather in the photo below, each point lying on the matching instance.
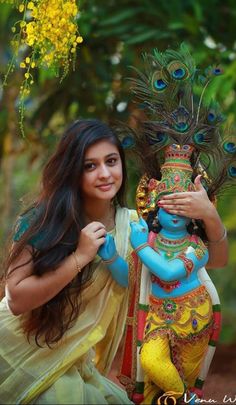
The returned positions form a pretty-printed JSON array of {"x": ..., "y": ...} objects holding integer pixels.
[{"x": 172, "y": 93}]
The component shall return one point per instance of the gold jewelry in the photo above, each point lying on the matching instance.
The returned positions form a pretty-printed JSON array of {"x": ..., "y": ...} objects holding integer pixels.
[
  {"x": 143, "y": 245},
  {"x": 110, "y": 261},
  {"x": 77, "y": 266},
  {"x": 188, "y": 263},
  {"x": 171, "y": 246},
  {"x": 223, "y": 237}
]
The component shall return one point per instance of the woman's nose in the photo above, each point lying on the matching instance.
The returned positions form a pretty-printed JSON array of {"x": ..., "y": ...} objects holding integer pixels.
[{"x": 104, "y": 171}]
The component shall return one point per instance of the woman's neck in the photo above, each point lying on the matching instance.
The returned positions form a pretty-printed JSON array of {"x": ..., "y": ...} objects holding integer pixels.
[{"x": 103, "y": 212}]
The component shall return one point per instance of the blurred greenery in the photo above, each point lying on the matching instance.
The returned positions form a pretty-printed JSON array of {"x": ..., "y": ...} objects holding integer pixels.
[{"x": 115, "y": 35}]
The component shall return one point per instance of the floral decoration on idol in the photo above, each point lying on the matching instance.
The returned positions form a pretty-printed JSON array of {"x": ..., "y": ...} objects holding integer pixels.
[{"x": 47, "y": 35}]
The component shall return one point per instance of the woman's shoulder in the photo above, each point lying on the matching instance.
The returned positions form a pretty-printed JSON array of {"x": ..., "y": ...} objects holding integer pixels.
[{"x": 24, "y": 222}]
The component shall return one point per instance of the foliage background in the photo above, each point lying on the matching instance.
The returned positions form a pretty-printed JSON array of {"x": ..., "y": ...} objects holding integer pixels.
[{"x": 115, "y": 35}]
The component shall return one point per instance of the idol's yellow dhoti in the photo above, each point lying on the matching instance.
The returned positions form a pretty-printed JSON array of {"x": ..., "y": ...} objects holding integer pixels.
[{"x": 176, "y": 338}]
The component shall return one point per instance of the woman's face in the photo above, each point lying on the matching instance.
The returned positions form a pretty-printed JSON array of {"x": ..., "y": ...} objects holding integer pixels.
[{"x": 102, "y": 174}]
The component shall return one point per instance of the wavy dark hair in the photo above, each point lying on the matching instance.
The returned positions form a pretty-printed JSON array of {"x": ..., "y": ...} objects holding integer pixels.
[{"x": 58, "y": 216}]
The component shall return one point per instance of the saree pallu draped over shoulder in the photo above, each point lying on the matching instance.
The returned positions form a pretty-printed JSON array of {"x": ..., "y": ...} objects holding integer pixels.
[{"x": 67, "y": 373}]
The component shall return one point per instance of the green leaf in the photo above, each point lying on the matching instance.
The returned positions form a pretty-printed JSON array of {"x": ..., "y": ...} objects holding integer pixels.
[
  {"x": 120, "y": 16},
  {"x": 144, "y": 36}
]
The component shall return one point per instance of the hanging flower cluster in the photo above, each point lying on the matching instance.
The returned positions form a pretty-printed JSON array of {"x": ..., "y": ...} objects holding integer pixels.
[{"x": 48, "y": 35}]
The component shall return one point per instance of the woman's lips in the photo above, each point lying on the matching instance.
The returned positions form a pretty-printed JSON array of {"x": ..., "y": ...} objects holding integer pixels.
[
  {"x": 175, "y": 221},
  {"x": 105, "y": 187}
]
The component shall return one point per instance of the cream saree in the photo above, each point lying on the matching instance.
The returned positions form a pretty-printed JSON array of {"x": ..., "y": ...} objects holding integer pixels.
[{"x": 68, "y": 373}]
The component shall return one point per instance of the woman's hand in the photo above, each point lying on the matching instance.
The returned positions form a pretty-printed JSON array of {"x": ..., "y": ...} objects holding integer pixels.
[
  {"x": 92, "y": 236},
  {"x": 139, "y": 233},
  {"x": 196, "y": 205},
  {"x": 191, "y": 204},
  {"x": 108, "y": 249}
]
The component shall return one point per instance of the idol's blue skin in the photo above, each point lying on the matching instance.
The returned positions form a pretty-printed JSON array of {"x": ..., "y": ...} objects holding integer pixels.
[
  {"x": 173, "y": 227},
  {"x": 119, "y": 268}
]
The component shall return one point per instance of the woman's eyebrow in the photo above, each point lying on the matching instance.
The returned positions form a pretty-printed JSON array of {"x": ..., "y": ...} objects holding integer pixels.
[{"x": 105, "y": 157}]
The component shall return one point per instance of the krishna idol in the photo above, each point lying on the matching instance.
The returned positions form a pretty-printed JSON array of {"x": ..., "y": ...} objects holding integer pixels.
[{"x": 174, "y": 317}]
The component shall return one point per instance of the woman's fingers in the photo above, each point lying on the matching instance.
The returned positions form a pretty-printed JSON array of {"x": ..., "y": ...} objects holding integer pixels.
[
  {"x": 93, "y": 226},
  {"x": 99, "y": 233},
  {"x": 176, "y": 196}
]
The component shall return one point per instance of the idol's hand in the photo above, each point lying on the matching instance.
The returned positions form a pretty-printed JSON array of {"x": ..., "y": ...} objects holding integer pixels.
[
  {"x": 108, "y": 250},
  {"x": 191, "y": 204},
  {"x": 139, "y": 233},
  {"x": 203, "y": 259}
]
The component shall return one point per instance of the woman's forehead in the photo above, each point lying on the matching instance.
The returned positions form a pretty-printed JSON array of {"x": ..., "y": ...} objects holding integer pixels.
[{"x": 100, "y": 149}]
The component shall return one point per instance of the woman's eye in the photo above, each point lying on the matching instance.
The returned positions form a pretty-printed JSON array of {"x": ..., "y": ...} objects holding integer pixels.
[
  {"x": 89, "y": 166},
  {"x": 111, "y": 161}
]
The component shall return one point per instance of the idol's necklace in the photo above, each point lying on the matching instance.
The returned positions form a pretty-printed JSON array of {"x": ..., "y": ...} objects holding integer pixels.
[{"x": 171, "y": 246}]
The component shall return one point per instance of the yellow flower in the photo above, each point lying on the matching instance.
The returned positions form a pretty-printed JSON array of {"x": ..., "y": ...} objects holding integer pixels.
[
  {"x": 30, "y": 5},
  {"x": 79, "y": 39},
  {"x": 21, "y": 8},
  {"x": 51, "y": 34}
]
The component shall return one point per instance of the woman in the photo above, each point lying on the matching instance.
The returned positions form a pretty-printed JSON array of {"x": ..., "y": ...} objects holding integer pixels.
[{"x": 61, "y": 299}]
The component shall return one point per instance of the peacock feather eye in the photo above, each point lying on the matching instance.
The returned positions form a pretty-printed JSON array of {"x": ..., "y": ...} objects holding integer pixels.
[
  {"x": 229, "y": 147},
  {"x": 178, "y": 73},
  {"x": 159, "y": 82},
  {"x": 158, "y": 138},
  {"x": 217, "y": 71},
  {"x": 199, "y": 138},
  {"x": 211, "y": 117},
  {"x": 232, "y": 171},
  {"x": 178, "y": 70},
  {"x": 127, "y": 142},
  {"x": 182, "y": 126}
]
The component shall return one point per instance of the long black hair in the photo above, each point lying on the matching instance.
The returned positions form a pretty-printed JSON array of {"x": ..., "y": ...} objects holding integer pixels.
[{"x": 55, "y": 221}]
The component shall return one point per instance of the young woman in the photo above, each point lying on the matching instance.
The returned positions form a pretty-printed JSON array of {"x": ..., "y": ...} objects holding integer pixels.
[{"x": 61, "y": 301}]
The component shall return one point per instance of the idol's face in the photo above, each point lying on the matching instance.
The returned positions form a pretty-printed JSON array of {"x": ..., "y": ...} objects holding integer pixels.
[
  {"x": 172, "y": 222},
  {"x": 102, "y": 173}
]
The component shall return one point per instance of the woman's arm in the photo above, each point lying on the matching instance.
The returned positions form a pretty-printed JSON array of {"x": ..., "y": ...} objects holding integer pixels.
[
  {"x": 217, "y": 239},
  {"x": 26, "y": 291},
  {"x": 196, "y": 205}
]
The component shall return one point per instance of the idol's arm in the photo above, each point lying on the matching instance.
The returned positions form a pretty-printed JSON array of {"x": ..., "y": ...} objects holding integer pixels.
[
  {"x": 166, "y": 270},
  {"x": 170, "y": 270},
  {"x": 115, "y": 263}
]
